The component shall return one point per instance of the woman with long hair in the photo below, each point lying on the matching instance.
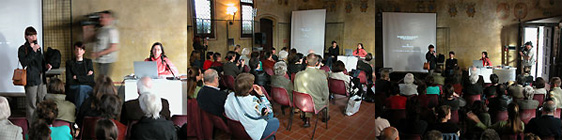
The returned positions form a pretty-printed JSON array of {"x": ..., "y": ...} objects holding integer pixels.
[
  {"x": 164, "y": 65},
  {"x": 360, "y": 51},
  {"x": 485, "y": 59},
  {"x": 195, "y": 59},
  {"x": 513, "y": 124},
  {"x": 194, "y": 77}
]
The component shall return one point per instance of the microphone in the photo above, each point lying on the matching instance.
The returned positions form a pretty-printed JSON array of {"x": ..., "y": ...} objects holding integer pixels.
[
  {"x": 35, "y": 42},
  {"x": 168, "y": 67}
]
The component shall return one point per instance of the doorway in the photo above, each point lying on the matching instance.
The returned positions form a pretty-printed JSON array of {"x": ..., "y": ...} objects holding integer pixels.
[
  {"x": 266, "y": 27},
  {"x": 541, "y": 38}
]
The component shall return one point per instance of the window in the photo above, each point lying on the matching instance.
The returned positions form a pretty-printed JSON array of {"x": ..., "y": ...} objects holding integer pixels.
[
  {"x": 247, "y": 17},
  {"x": 203, "y": 18}
]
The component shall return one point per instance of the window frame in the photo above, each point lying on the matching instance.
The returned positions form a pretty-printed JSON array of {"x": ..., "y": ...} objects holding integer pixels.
[
  {"x": 242, "y": 34},
  {"x": 194, "y": 20}
]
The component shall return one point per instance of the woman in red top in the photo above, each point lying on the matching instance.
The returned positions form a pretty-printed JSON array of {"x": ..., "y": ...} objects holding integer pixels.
[
  {"x": 165, "y": 66},
  {"x": 485, "y": 59},
  {"x": 207, "y": 64},
  {"x": 360, "y": 51}
]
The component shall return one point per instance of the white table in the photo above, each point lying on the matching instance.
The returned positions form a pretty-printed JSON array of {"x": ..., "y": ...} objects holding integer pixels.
[
  {"x": 349, "y": 61},
  {"x": 171, "y": 90},
  {"x": 504, "y": 74}
]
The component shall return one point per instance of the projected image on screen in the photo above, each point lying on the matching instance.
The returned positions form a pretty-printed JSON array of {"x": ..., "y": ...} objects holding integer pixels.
[
  {"x": 307, "y": 31},
  {"x": 405, "y": 40}
]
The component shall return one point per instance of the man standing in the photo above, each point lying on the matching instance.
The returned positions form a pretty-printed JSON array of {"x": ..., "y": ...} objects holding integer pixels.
[
  {"x": 106, "y": 42},
  {"x": 528, "y": 56},
  {"x": 210, "y": 98},
  {"x": 313, "y": 81},
  {"x": 431, "y": 57}
]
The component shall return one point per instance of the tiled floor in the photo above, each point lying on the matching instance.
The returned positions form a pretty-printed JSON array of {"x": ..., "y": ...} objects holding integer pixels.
[{"x": 358, "y": 126}]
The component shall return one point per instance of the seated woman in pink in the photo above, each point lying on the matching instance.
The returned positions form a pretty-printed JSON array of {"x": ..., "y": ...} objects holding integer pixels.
[
  {"x": 165, "y": 66},
  {"x": 485, "y": 59},
  {"x": 360, "y": 51}
]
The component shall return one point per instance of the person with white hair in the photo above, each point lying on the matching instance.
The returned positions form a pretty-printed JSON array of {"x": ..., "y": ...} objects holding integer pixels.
[
  {"x": 473, "y": 88},
  {"x": 408, "y": 88},
  {"x": 152, "y": 126},
  {"x": 131, "y": 110},
  {"x": 279, "y": 79},
  {"x": 528, "y": 102},
  {"x": 8, "y": 131},
  {"x": 244, "y": 56}
]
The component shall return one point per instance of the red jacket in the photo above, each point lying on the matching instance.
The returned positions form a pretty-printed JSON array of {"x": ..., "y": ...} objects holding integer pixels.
[{"x": 396, "y": 102}]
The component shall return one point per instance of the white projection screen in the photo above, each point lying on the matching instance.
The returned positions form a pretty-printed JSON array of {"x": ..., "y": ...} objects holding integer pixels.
[
  {"x": 405, "y": 40},
  {"x": 307, "y": 31},
  {"x": 15, "y": 16}
]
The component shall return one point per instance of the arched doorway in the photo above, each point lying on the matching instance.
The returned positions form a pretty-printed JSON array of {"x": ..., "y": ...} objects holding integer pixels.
[{"x": 266, "y": 27}]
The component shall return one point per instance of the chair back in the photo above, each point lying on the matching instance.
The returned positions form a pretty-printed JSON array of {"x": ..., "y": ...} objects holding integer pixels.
[
  {"x": 179, "y": 120},
  {"x": 293, "y": 77},
  {"x": 472, "y": 98},
  {"x": 539, "y": 97},
  {"x": 433, "y": 100},
  {"x": 303, "y": 102},
  {"x": 237, "y": 129},
  {"x": 21, "y": 122},
  {"x": 194, "y": 124},
  {"x": 519, "y": 136},
  {"x": 281, "y": 96},
  {"x": 362, "y": 77},
  {"x": 130, "y": 127},
  {"x": 123, "y": 130},
  {"x": 265, "y": 93},
  {"x": 269, "y": 71},
  {"x": 246, "y": 68},
  {"x": 228, "y": 81},
  {"x": 88, "y": 127},
  {"x": 527, "y": 114},
  {"x": 337, "y": 87},
  {"x": 454, "y": 116},
  {"x": 209, "y": 122},
  {"x": 325, "y": 68},
  {"x": 501, "y": 116}
]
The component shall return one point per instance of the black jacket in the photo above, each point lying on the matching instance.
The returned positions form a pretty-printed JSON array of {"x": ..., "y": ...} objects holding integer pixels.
[
  {"x": 154, "y": 129},
  {"x": 545, "y": 126},
  {"x": 35, "y": 64},
  {"x": 211, "y": 100},
  {"x": 294, "y": 68},
  {"x": 261, "y": 78},
  {"x": 366, "y": 67},
  {"x": 334, "y": 52},
  {"x": 80, "y": 69},
  {"x": 432, "y": 60},
  {"x": 230, "y": 68}
]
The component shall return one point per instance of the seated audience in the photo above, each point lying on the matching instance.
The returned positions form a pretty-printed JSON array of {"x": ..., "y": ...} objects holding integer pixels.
[
  {"x": 283, "y": 56},
  {"x": 313, "y": 81},
  {"x": 296, "y": 63},
  {"x": 79, "y": 75},
  {"x": 261, "y": 77},
  {"x": 217, "y": 63},
  {"x": 152, "y": 125},
  {"x": 47, "y": 112},
  {"x": 382, "y": 85},
  {"x": 432, "y": 88},
  {"x": 396, "y": 101},
  {"x": 433, "y": 135},
  {"x": 279, "y": 80},
  {"x": 389, "y": 133},
  {"x": 231, "y": 67},
  {"x": 473, "y": 88},
  {"x": 254, "y": 112},
  {"x": 490, "y": 91},
  {"x": 409, "y": 88},
  {"x": 360, "y": 51},
  {"x": 477, "y": 112},
  {"x": 55, "y": 92},
  {"x": 194, "y": 82},
  {"x": 438, "y": 79},
  {"x": 274, "y": 54},
  {"x": 513, "y": 125},
  {"x": 131, "y": 110},
  {"x": 412, "y": 124},
  {"x": 164, "y": 65},
  {"x": 555, "y": 91},
  {"x": 516, "y": 90},
  {"x": 450, "y": 98},
  {"x": 207, "y": 64},
  {"x": 210, "y": 98},
  {"x": 380, "y": 122},
  {"x": 540, "y": 85},
  {"x": 9, "y": 130},
  {"x": 268, "y": 61},
  {"x": 195, "y": 60},
  {"x": 106, "y": 129},
  {"x": 365, "y": 66},
  {"x": 337, "y": 73},
  {"x": 244, "y": 56},
  {"x": 546, "y": 125},
  {"x": 528, "y": 102},
  {"x": 91, "y": 107},
  {"x": 500, "y": 102},
  {"x": 443, "y": 125},
  {"x": 490, "y": 134},
  {"x": 39, "y": 131},
  {"x": 237, "y": 53}
]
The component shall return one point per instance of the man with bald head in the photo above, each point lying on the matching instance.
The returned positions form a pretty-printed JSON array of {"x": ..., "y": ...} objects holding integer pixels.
[
  {"x": 131, "y": 110},
  {"x": 389, "y": 133},
  {"x": 313, "y": 81},
  {"x": 210, "y": 98},
  {"x": 546, "y": 125}
]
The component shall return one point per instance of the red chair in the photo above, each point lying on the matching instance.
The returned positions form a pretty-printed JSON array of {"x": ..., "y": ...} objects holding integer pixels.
[
  {"x": 557, "y": 113},
  {"x": 305, "y": 103},
  {"x": 89, "y": 128},
  {"x": 228, "y": 81},
  {"x": 209, "y": 122},
  {"x": 246, "y": 68},
  {"x": 362, "y": 77},
  {"x": 433, "y": 100},
  {"x": 179, "y": 120},
  {"x": 454, "y": 116},
  {"x": 472, "y": 98},
  {"x": 281, "y": 97},
  {"x": 293, "y": 77},
  {"x": 269, "y": 71},
  {"x": 21, "y": 122},
  {"x": 539, "y": 97},
  {"x": 501, "y": 116},
  {"x": 527, "y": 114},
  {"x": 287, "y": 76},
  {"x": 265, "y": 93},
  {"x": 337, "y": 87},
  {"x": 325, "y": 68},
  {"x": 194, "y": 119},
  {"x": 458, "y": 89},
  {"x": 238, "y": 131}
]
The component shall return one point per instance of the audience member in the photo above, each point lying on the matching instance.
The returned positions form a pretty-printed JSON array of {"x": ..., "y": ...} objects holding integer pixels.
[
  {"x": 254, "y": 112},
  {"x": 268, "y": 61},
  {"x": 195, "y": 60},
  {"x": 444, "y": 125},
  {"x": 194, "y": 82},
  {"x": 438, "y": 79},
  {"x": 91, "y": 106},
  {"x": 450, "y": 98},
  {"x": 360, "y": 51},
  {"x": 40, "y": 131},
  {"x": 490, "y": 91},
  {"x": 210, "y": 98},
  {"x": 231, "y": 67},
  {"x": 207, "y": 64},
  {"x": 152, "y": 125},
  {"x": 244, "y": 56},
  {"x": 473, "y": 88},
  {"x": 481, "y": 120},
  {"x": 433, "y": 135},
  {"x": 490, "y": 134},
  {"x": 106, "y": 130},
  {"x": 337, "y": 73},
  {"x": 396, "y": 101},
  {"x": 261, "y": 77},
  {"x": 382, "y": 85},
  {"x": 513, "y": 125},
  {"x": 432, "y": 88},
  {"x": 9, "y": 130},
  {"x": 531, "y": 136},
  {"x": 217, "y": 63},
  {"x": 408, "y": 88},
  {"x": 516, "y": 90},
  {"x": 279, "y": 80},
  {"x": 389, "y": 133},
  {"x": 314, "y": 82},
  {"x": 131, "y": 110},
  {"x": 380, "y": 123},
  {"x": 56, "y": 92},
  {"x": 47, "y": 111},
  {"x": 365, "y": 66},
  {"x": 296, "y": 63},
  {"x": 79, "y": 75},
  {"x": 528, "y": 102},
  {"x": 546, "y": 125},
  {"x": 540, "y": 85},
  {"x": 412, "y": 124},
  {"x": 274, "y": 54},
  {"x": 501, "y": 102},
  {"x": 236, "y": 50},
  {"x": 283, "y": 55},
  {"x": 555, "y": 91}
]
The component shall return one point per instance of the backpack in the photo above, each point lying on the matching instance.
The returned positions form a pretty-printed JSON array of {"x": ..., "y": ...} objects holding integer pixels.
[{"x": 52, "y": 56}]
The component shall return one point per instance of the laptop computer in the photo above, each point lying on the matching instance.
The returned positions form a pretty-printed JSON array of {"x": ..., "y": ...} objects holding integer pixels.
[
  {"x": 348, "y": 52},
  {"x": 477, "y": 63},
  {"x": 146, "y": 69}
]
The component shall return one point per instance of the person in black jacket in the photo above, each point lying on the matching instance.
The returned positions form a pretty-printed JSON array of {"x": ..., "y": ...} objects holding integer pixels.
[
  {"x": 232, "y": 67},
  {"x": 451, "y": 65},
  {"x": 79, "y": 75},
  {"x": 262, "y": 78},
  {"x": 152, "y": 126},
  {"x": 30, "y": 57},
  {"x": 295, "y": 63},
  {"x": 210, "y": 98},
  {"x": 364, "y": 65},
  {"x": 431, "y": 57},
  {"x": 546, "y": 125},
  {"x": 333, "y": 52}
]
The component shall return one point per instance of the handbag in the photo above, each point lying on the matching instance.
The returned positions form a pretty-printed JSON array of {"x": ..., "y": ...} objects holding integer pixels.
[
  {"x": 426, "y": 66},
  {"x": 20, "y": 76}
]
